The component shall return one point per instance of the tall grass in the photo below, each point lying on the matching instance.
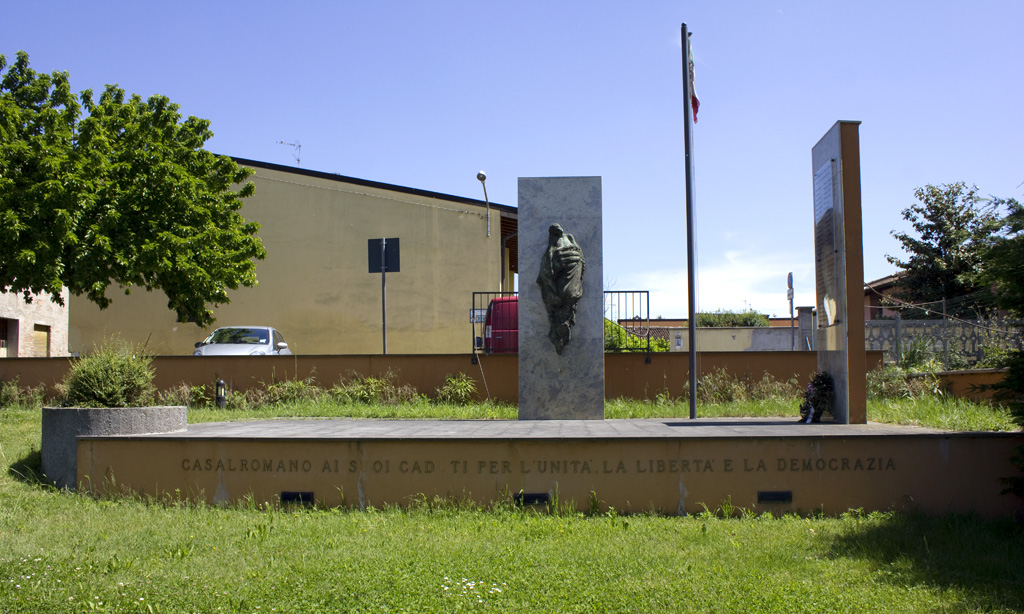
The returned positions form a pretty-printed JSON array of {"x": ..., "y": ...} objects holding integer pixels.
[
  {"x": 931, "y": 412},
  {"x": 893, "y": 397}
]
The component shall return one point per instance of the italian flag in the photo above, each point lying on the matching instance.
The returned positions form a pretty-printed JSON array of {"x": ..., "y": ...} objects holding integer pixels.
[{"x": 694, "y": 101}]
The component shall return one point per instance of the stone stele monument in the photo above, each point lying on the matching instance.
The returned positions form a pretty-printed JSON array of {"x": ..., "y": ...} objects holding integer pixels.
[
  {"x": 839, "y": 268},
  {"x": 561, "y": 299}
]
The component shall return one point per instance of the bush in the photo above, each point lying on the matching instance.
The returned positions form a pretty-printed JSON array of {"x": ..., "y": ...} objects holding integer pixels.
[
  {"x": 384, "y": 390},
  {"x": 1011, "y": 389},
  {"x": 115, "y": 375},
  {"x": 956, "y": 359},
  {"x": 457, "y": 390},
  {"x": 995, "y": 356},
  {"x": 917, "y": 356},
  {"x": 925, "y": 355}
]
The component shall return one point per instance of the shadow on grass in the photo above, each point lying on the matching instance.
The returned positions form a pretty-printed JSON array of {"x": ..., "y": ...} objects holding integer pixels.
[
  {"x": 979, "y": 560},
  {"x": 29, "y": 469}
]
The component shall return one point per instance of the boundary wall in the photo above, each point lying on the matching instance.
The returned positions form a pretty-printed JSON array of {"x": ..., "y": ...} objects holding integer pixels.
[
  {"x": 496, "y": 376},
  {"x": 655, "y": 465}
]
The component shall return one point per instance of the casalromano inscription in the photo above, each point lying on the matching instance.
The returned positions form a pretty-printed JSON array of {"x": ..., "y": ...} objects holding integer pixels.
[{"x": 837, "y": 464}]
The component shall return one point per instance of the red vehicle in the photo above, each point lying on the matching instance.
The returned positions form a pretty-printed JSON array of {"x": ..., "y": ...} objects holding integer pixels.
[{"x": 501, "y": 326}]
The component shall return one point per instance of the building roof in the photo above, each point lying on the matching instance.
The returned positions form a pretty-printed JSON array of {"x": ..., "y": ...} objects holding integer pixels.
[
  {"x": 883, "y": 283},
  {"x": 504, "y": 209}
]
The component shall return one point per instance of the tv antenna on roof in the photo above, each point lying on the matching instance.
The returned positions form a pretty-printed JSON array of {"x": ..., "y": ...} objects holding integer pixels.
[{"x": 298, "y": 151}]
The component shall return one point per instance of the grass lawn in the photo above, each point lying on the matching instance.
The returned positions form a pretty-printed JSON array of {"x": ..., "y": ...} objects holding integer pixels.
[{"x": 62, "y": 552}]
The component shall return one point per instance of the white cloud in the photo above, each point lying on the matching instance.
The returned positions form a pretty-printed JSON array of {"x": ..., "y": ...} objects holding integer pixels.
[{"x": 738, "y": 280}]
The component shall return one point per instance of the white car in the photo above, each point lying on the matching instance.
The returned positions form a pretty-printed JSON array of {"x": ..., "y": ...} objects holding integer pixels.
[{"x": 243, "y": 341}]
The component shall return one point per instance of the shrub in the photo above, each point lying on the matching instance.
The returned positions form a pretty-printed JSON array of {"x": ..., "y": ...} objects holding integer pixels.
[
  {"x": 917, "y": 356},
  {"x": 384, "y": 390},
  {"x": 995, "y": 356},
  {"x": 115, "y": 375},
  {"x": 956, "y": 359},
  {"x": 457, "y": 390},
  {"x": 1011, "y": 389}
]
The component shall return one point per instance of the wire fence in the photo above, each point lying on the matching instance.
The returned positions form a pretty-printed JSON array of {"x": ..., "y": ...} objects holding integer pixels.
[{"x": 955, "y": 342}]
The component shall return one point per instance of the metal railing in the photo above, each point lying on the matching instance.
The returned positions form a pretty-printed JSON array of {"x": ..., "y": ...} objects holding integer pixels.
[
  {"x": 478, "y": 320},
  {"x": 626, "y": 313},
  {"x": 627, "y": 326}
]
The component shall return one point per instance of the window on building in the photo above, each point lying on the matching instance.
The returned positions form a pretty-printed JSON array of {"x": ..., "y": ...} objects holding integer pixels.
[{"x": 41, "y": 341}]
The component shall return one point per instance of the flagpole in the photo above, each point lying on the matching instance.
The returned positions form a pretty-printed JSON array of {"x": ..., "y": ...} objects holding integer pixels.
[{"x": 691, "y": 251}]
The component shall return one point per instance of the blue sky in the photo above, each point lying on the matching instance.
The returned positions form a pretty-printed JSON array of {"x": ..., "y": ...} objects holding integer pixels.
[{"x": 425, "y": 94}]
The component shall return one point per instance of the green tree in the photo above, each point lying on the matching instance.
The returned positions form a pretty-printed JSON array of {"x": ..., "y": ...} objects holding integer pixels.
[
  {"x": 1005, "y": 259},
  {"x": 1005, "y": 271},
  {"x": 953, "y": 229},
  {"x": 724, "y": 318},
  {"x": 125, "y": 195}
]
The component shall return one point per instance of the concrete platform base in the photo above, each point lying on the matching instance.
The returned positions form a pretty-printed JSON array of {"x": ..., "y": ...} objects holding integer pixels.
[
  {"x": 62, "y": 425},
  {"x": 672, "y": 466}
]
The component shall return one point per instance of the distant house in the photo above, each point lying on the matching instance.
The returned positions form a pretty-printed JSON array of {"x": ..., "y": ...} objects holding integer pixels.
[
  {"x": 875, "y": 294},
  {"x": 33, "y": 330},
  {"x": 315, "y": 284}
]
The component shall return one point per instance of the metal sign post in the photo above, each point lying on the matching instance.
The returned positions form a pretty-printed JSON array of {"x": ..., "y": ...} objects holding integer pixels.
[
  {"x": 792, "y": 325},
  {"x": 383, "y": 256}
]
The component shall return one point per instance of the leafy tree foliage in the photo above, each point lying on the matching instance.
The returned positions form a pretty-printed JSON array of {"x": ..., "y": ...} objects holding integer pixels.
[
  {"x": 723, "y": 318},
  {"x": 1005, "y": 271},
  {"x": 1005, "y": 260},
  {"x": 124, "y": 196},
  {"x": 620, "y": 339},
  {"x": 953, "y": 229}
]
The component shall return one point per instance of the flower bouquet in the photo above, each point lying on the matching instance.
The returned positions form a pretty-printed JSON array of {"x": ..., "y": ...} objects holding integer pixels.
[{"x": 818, "y": 398}]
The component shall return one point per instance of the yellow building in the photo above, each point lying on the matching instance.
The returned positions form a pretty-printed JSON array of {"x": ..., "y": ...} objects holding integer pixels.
[{"x": 315, "y": 285}]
